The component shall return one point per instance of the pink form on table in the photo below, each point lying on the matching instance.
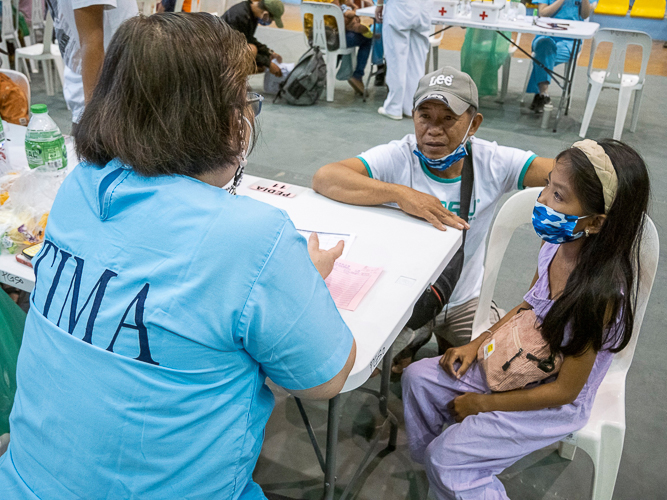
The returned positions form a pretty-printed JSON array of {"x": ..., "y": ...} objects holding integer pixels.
[{"x": 349, "y": 282}]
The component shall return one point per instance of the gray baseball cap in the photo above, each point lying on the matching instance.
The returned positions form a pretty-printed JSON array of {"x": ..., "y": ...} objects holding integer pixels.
[{"x": 452, "y": 87}]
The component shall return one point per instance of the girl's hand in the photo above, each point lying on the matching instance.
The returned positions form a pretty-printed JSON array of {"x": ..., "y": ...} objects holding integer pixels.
[
  {"x": 465, "y": 355},
  {"x": 469, "y": 403}
]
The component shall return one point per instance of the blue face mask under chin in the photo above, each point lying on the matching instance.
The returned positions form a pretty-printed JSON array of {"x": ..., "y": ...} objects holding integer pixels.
[
  {"x": 446, "y": 161},
  {"x": 555, "y": 227},
  {"x": 264, "y": 22}
]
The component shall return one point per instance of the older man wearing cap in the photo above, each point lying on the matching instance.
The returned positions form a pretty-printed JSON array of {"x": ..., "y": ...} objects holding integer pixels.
[
  {"x": 421, "y": 174},
  {"x": 245, "y": 17}
]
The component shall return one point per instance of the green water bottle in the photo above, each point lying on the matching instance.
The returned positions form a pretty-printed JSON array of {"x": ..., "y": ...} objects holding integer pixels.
[{"x": 44, "y": 144}]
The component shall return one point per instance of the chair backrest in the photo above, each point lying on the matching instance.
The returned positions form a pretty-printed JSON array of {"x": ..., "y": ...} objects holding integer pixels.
[
  {"x": 648, "y": 265},
  {"x": 318, "y": 10},
  {"x": 19, "y": 79},
  {"x": 516, "y": 211},
  {"x": 8, "y": 30},
  {"x": 48, "y": 34},
  {"x": 179, "y": 6},
  {"x": 37, "y": 19},
  {"x": 620, "y": 40}
]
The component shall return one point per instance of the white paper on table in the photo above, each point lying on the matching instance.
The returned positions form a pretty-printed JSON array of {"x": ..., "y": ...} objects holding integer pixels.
[
  {"x": 349, "y": 283},
  {"x": 330, "y": 240}
]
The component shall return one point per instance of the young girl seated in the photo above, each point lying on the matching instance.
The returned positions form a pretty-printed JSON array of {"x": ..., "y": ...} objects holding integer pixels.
[{"x": 590, "y": 215}]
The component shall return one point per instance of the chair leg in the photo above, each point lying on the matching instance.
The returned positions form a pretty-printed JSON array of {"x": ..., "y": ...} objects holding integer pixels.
[
  {"x": 19, "y": 62},
  {"x": 60, "y": 67},
  {"x": 592, "y": 100},
  {"x": 33, "y": 64},
  {"x": 331, "y": 75},
  {"x": 608, "y": 461},
  {"x": 566, "y": 450},
  {"x": 48, "y": 79},
  {"x": 3, "y": 57},
  {"x": 635, "y": 109},
  {"x": 624, "y": 95}
]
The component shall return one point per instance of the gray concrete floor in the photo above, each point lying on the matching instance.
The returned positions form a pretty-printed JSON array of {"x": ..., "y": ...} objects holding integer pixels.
[{"x": 295, "y": 142}]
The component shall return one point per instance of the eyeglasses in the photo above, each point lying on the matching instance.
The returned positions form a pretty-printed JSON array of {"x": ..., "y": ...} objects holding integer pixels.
[{"x": 255, "y": 102}]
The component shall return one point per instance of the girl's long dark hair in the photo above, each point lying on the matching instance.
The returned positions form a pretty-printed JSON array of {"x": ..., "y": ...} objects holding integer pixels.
[{"x": 601, "y": 290}]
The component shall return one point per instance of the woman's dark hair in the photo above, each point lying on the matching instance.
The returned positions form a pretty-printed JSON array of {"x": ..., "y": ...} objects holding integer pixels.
[
  {"x": 171, "y": 96},
  {"x": 601, "y": 290}
]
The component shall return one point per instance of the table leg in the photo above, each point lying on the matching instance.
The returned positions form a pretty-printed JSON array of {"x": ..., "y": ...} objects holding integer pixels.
[
  {"x": 577, "y": 48},
  {"x": 333, "y": 422},
  {"x": 567, "y": 84},
  {"x": 384, "y": 398}
]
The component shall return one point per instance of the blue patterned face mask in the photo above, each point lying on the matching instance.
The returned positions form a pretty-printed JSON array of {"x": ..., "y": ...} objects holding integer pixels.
[
  {"x": 555, "y": 227},
  {"x": 265, "y": 22},
  {"x": 446, "y": 161}
]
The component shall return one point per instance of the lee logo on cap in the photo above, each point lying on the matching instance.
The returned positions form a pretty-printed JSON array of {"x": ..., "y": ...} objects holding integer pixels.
[{"x": 441, "y": 80}]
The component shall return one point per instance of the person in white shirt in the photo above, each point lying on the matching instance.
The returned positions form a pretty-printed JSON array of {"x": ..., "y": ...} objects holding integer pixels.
[
  {"x": 84, "y": 29},
  {"x": 421, "y": 174}
]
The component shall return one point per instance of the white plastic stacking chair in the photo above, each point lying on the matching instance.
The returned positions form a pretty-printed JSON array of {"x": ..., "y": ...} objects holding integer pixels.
[
  {"x": 9, "y": 33},
  {"x": 434, "y": 40},
  {"x": 19, "y": 79},
  {"x": 602, "y": 437},
  {"x": 614, "y": 78},
  {"x": 48, "y": 53},
  {"x": 37, "y": 21},
  {"x": 516, "y": 211},
  {"x": 318, "y": 11}
]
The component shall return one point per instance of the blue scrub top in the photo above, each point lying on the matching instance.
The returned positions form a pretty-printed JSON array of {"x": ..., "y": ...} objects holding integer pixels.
[
  {"x": 161, "y": 304},
  {"x": 569, "y": 10}
]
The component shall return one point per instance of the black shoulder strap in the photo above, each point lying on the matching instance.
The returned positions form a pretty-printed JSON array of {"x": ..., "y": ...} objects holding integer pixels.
[{"x": 467, "y": 181}]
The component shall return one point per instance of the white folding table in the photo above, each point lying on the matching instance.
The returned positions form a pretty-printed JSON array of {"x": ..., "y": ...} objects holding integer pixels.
[
  {"x": 411, "y": 252},
  {"x": 575, "y": 30}
]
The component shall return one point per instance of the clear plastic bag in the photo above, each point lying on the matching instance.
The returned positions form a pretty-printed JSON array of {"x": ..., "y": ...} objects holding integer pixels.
[{"x": 25, "y": 202}]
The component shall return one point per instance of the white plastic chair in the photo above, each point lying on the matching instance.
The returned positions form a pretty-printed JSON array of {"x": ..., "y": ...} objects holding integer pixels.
[
  {"x": 19, "y": 79},
  {"x": 47, "y": 53},
  {"x": 516, "y": 211},
  {"x": 614, "y": 78},
  {"x": 435, "y": 46},
  {"x": 318, "y": 10},
  {"x": 602, "y": 437},
  {"x": 37, "y": 21},
  {"x": 9, "y": 32},
  {"x": 179, "y": 6}
]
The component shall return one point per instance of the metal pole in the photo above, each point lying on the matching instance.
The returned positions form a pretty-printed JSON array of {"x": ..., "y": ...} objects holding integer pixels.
[
  {"x": 566, "y": 86},
  {"x": 333, "y": 422},
  {"x": 384, "y": 397}
]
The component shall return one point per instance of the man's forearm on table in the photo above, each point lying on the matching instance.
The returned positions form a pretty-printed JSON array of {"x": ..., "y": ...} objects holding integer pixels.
[{"x": 350, "y": 187}]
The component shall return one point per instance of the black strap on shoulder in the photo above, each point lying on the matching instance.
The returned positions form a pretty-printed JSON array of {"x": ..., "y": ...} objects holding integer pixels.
[{"x": 450, "y": 276}]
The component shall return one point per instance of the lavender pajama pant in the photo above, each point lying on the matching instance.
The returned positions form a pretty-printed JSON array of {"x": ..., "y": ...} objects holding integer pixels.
[{"x": 463, "y": 460}]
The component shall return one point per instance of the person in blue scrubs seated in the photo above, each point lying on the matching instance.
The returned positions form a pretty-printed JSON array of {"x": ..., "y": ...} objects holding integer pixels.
[
  {"x": 162, "y": 302},
  {"x": 552, "y": 51},
  {"x": 421, "y": 174}
]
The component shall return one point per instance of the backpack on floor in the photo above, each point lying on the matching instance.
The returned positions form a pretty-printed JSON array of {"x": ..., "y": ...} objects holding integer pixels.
[{"x": 306, "y": 82}]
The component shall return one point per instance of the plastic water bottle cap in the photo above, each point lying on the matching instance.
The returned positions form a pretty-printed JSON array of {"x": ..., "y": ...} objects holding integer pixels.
[{"x": 38, "y": 108}]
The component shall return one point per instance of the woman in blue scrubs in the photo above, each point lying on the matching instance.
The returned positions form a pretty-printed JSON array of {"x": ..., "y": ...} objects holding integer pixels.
[
  {"x": 552, "y": 51},
  {"x": 162, "y": 301}
]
